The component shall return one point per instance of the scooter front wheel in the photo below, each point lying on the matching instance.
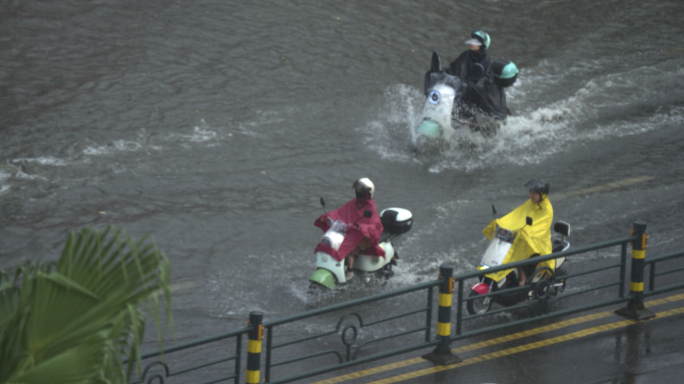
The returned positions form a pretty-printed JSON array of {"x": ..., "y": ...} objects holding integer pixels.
[
  {"x": 316, "y": 289},
  {"x": 478, "y": 305}
]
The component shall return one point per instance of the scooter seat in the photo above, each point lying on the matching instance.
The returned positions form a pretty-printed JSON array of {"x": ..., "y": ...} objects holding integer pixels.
[{"x": 385, "y": 235}]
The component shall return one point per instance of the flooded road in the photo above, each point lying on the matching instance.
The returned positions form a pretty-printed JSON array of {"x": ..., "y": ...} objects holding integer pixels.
[{"x": 217, "y": 126}]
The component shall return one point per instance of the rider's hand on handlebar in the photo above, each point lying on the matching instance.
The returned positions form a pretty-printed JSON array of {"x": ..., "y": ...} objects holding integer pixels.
[{"x": 354, "y": 226}]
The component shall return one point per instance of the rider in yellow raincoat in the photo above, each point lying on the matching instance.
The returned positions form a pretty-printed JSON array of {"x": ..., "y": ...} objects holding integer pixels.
[{"x": 534, "y": 239}]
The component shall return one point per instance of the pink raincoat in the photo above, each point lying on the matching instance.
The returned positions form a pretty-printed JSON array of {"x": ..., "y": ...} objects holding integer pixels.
[{"x": 349, "y": 213}]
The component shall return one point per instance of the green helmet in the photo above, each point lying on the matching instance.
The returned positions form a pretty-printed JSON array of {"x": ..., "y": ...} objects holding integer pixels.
[{"x": 482, "y": 37}]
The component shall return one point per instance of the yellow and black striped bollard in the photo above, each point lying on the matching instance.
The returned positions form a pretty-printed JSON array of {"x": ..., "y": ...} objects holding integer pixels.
[
  {"x": 254, "y": 347},
  {"x": 635, "y": 308},
  {"x": 442, "y": 353}
]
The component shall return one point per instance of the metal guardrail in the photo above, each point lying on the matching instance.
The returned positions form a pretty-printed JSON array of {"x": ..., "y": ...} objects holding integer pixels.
[
  {"x": 349, "y": 334},
  {"x": 150, "y": 376},
  {"x": 653, "y": 274},
  {"x": 256, "y": 330},
  {"x": 352, "y": 353}
]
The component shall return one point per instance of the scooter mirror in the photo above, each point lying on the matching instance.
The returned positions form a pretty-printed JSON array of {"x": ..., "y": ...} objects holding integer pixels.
[
  {"x": 367, "y": 213},
  {"x": 528, "y": 220},
  {"x": 322, "y": 203},
  {"x": 493, "y": 210}
]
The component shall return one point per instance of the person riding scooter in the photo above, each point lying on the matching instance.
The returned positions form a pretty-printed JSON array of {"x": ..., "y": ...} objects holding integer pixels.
[
  {"x": 530, "y": 240},
  {"x": 475, "y": 68},
  {"x": 363, "y": 232}
]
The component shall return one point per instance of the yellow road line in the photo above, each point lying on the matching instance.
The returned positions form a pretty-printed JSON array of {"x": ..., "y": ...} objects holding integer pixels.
[
  {"x": 524, "y": 348},
  {"x": 372, "y": 371},
  {"x": 180, "y": 286},
  {"x": 601, "y": 188},
  {"x": 492, "y": 342},
  {"x": 556, "y": 326}
]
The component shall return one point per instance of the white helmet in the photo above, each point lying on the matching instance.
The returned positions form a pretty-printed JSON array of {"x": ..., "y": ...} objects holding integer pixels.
[{"x": 364, "y": 186}]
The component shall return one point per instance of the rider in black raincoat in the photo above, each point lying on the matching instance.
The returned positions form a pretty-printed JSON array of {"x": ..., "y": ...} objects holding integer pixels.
[{"x": 474, "y": 67}]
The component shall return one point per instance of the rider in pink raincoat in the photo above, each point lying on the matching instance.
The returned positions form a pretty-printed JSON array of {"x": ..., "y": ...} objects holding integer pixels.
[{"x": 363, "y": 233}]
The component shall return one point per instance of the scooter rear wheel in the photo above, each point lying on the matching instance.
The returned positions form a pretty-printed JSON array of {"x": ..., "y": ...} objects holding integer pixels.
[{"x": 479, "y": 305}]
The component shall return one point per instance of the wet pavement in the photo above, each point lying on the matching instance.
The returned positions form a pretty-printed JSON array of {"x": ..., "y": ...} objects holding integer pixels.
[{"x": 600, "y": 347}]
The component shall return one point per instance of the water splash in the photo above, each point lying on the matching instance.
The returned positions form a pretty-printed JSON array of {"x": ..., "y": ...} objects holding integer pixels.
[
  {"x": 394, "y": 135},
  {"x": 200, "y": 134},
  {"x": 114, "y": 147},
  {"x": 604, "y": 106},
  {"x": 46, "y": 160}
]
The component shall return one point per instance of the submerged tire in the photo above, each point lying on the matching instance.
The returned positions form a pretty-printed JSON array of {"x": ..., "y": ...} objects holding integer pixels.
[
  {"x": 480, "y": 305},
  {"x": 386, "y": 272},
  {"x": 324, "y": 277},
  {"x": 316, "y": 289}
]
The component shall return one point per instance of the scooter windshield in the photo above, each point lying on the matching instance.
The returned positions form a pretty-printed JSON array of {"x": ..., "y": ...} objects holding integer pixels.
[
  {"x": 498, "y": 248},
  {"x": 335, "y": 235}
]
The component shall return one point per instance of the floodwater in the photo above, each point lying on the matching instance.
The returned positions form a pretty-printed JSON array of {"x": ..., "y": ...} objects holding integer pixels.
[{"x": 216, "y": 126}]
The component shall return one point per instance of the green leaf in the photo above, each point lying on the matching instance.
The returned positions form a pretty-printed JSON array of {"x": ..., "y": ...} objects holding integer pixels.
[{"x": 71, "y": 321}]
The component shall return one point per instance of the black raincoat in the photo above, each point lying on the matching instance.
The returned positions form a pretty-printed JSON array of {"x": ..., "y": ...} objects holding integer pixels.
[{"x": 482, "y": 93}]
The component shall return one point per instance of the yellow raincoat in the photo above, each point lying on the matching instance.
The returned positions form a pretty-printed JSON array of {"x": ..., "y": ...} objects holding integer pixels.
[{"x": 531, "y": 239}]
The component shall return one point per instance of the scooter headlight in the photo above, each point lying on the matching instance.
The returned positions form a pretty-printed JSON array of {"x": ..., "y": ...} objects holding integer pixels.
[{"x": 434, "y": 97}]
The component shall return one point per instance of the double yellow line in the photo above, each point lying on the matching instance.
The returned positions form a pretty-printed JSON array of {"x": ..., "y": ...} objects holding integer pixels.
[{"x": 510, "y": 351}]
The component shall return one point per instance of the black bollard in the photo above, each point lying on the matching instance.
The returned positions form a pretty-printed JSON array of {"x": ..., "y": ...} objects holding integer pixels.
[{"x": 635, "y": 308}]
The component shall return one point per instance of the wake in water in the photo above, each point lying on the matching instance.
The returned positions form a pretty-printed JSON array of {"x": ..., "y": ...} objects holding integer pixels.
[
  {"x": 550, "y": 114},
  {"x": 394, "y": 134}
]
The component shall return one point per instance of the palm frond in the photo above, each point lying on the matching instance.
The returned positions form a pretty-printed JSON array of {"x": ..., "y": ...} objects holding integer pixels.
[{"x": 69, "y": 322}]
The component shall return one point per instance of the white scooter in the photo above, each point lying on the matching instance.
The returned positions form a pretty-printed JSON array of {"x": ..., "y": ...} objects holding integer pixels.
[
  {"x": 330, "y": 272},
  {"x": 444, "y": 105},
  {"x": 544, "y": 282}
]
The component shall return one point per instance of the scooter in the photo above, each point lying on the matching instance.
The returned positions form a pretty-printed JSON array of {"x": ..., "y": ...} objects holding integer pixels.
[
  {"x": 544, "y": 282},
  {"x": 330, "y": 273},
  {"x": 444, "y": 107}
]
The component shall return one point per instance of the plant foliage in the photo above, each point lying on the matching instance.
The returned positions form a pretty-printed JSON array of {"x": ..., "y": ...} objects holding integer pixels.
[{"x": 74, "y": 321}]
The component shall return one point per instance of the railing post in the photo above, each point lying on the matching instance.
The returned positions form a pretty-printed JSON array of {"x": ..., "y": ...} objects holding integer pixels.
[
  {"x": 459, "y": 302},
  {"x": 442, "y": 354},
  {"x": 635, "y": 308},
  {"x": 623, "y": 269},
  {"x": 254, "y": 347},
  {"x": 428, "y": 316}
]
